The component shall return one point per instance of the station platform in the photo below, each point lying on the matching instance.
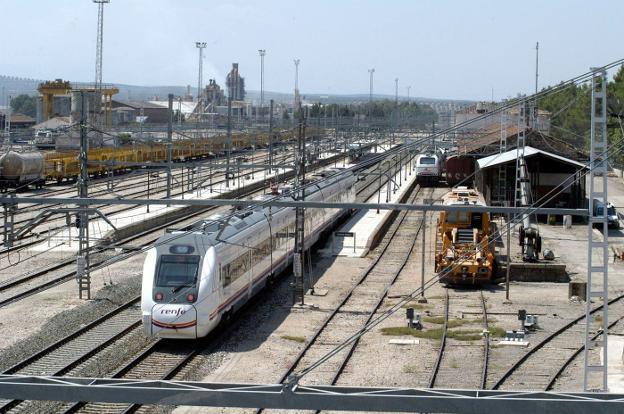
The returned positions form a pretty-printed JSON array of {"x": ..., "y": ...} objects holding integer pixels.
[
  {"x": 363, "y": 227},
  {"x": 615, "y": 369},
  {"x": 66, "y": 240}
]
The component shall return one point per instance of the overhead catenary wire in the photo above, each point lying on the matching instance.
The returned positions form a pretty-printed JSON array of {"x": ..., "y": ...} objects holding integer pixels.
[{"x": 432, "y": 281}]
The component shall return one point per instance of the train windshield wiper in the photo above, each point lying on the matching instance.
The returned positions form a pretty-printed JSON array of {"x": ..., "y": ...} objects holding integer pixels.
[{"x": 177, "y": 288}]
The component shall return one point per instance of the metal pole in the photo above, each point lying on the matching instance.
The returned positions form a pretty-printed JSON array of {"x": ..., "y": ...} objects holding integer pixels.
[
  {"x": 82, "y": 260},
  {"x": 423, "y": 299},
  {"x": 299, "y": 257},
  {"x": 508, "y": 270},
  {"x": 200, "y": 46},
  {"x": 169, "y": 143},
  {"x": 229, "y": 142},
  {"x": 262, "y": 52},
  {"x": 270, "y": 135}
]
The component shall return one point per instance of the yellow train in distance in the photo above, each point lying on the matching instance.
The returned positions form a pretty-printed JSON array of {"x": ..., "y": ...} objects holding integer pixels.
[
  {"x": 61, "y": 166},
  {"x": 465, "y": 252}
]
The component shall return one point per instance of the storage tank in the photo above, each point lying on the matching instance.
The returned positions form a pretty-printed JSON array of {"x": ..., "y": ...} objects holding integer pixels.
[
  {"x": 21, "y": 167},
  {"x": 458, "y": 168},
  {"x": 93, "y": 104}
]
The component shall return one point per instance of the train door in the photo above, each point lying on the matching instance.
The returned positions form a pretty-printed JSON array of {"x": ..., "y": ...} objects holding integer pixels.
[{"x": 250, "y": 276}]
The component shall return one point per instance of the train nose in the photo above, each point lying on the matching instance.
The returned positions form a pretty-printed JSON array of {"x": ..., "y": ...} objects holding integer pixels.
[{"x": 174, "y": 321}]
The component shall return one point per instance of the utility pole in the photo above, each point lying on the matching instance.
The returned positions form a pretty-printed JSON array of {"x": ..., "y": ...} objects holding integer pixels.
[
  {"x": 535, "y": 117},
  {"x": 597, "y": 250},
  {"x": 7, "y": 122},
  {"x": 82, "y": 260},
  {"x": 370, "y": 95},
  {"x": 229, "y": 142},
  {"x": 408, "y": 92},
  {"x": 536, "y": 65},
  {"x": 270, "y": 135},
  {"x": 296, "y": 104},
  {"x": 299, "y": 256},
  {"x": 98, "y": 56},
  {"x": 169, "y": 143},
  {"x": 396, "y": 91},
  {"x": 201, "y": 46},
  {"x": 262, "y": 53}
]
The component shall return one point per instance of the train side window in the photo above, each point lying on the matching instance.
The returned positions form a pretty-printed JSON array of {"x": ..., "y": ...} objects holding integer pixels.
[{"x": 226, "y": 278}]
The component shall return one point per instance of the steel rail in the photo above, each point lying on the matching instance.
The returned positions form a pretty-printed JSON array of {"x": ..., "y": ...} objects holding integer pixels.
[
  {"x": 438, "y": 362},
  {"x": 291, "y": 369},
  {"x": 544, "y": 341},
  {"x": 486, "y": 343}
]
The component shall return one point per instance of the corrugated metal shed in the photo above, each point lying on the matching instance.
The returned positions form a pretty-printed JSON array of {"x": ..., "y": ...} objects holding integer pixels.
[{"x": 498, "y": 159}]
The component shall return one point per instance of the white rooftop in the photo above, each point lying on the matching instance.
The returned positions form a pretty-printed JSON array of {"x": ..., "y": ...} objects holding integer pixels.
[
  {"x": 185, "y": 107},
  {"x": 497, "y": 159}
]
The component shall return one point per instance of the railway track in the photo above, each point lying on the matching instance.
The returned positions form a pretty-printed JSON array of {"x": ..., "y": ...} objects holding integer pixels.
[
  {"x": 360, "y": 304},
  {"x": 70, "y": 352},
  {"x": 155, "y": 192},
  {"x": 42, "y": 279},
  {"x": 459, "y": 350},
  {"x": 543, "y": 364}
]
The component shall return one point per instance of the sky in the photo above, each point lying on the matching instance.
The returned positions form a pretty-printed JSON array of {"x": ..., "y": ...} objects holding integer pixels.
[{"x": 441, "y": 48}]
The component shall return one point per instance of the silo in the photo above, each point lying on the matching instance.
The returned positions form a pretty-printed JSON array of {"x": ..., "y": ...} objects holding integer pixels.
[{"x": 93, "y": 105}]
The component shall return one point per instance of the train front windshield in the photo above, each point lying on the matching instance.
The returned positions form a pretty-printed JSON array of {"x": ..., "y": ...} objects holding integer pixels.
[
  {"x": 177, "y": 271},
  {"x": 427, "y": 161}
]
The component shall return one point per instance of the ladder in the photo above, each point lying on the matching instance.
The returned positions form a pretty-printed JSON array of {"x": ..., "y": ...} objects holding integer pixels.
[
  {"x": 501, "y": 194},
  {"x": 522, "y": 187},
  {"x": 598, "y": 253}
]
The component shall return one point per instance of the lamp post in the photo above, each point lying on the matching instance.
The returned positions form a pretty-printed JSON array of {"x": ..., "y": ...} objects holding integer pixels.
[
  {"x": 201, "y": 46},
  {"x": 371, "y": 72},
  {"x": 262, "y": 52}
]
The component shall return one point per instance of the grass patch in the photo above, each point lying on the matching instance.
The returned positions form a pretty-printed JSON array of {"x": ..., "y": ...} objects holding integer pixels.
[
  {"x": 454, "y": 363},
  {"x": 299, "y": 339},
  {"x": 497, "y": 332},
  {"x": 598, "y": 318},
  {"x": 405, "y": 331},
  {"x": 465, "y": 335},
  {"x": 410, "y": 369}
]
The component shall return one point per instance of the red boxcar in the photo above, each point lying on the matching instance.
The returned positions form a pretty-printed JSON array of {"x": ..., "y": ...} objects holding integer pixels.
[{"x": 458, "y": 168}]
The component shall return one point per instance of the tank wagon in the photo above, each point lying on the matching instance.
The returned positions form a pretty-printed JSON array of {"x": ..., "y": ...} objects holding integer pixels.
[
  {"x": 35, "y": 168},
  {"x": 194, "y": 279},
  {"x": 464, "y": 253},
  {"x": 21, "y": 170},
  {"x": 428, "y": 169}
]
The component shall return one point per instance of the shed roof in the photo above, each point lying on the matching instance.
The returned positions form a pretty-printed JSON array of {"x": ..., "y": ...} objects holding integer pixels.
[{"x": 511, "y": 155}]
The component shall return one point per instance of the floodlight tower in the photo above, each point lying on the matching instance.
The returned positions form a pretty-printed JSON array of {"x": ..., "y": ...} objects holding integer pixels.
[
  {"x": 262, "y": 52},
  {"x": 296, "y": 81},
  {"x": 201, "y": 46},
  {"x": 371, "y": 72},
  {"x": 100, "y": 42}
]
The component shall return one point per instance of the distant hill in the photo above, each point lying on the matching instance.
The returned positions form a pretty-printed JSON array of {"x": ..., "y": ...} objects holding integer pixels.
[{"x": 12, "y": 85}]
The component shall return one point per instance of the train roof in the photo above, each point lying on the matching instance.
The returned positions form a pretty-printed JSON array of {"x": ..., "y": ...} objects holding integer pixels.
[
  {"x": 226, "y": 226},
  {"x": 462, "y": 195}
]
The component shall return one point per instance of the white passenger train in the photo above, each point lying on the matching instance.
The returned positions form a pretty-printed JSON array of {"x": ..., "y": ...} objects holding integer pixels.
[
  {"x": 428, "y": 169},
  {"x": 193, "y": 279}
]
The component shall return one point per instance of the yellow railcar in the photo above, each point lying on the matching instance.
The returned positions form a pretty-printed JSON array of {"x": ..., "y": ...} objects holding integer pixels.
[
  {"x": 65, "y": 165},
  {"x": 465, "y": 251}
]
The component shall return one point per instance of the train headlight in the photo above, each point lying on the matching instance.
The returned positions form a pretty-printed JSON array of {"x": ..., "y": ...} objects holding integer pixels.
[
  {"x": 483, "y": 270},
  {"x": 190, "y": 297},
  {"x": 158, "y": 296}
]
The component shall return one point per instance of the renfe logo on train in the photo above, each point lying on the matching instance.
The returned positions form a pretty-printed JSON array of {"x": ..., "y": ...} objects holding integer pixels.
[{"x": 176, "y": 312}]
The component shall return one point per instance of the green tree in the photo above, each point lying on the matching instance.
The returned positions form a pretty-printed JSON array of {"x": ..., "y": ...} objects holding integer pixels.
[{"x": 24, "y": 104}]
